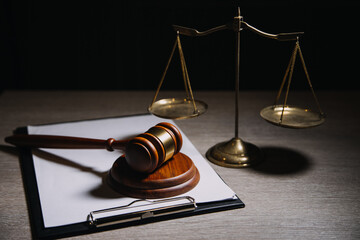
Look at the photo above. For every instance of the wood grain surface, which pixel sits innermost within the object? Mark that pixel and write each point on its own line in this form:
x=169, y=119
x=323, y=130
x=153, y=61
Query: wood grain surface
x=307, y=187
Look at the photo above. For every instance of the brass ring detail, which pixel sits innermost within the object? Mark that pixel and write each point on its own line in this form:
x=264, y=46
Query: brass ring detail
x=166, y=140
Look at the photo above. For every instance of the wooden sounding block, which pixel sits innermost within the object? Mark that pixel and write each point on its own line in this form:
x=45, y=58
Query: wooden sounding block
x=176, y=176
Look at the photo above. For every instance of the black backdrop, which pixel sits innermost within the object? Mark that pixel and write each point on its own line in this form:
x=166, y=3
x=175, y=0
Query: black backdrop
x=125, y=44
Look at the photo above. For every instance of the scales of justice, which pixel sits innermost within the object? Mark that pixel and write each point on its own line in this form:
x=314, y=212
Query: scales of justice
x=236, y=152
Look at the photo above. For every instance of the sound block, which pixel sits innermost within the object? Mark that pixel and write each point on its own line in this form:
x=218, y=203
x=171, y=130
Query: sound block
x=176, y=176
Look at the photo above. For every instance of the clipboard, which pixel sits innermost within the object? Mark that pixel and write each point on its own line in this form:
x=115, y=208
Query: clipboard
x=110, y=218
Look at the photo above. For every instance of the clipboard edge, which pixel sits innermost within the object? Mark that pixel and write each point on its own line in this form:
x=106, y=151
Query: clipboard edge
x=35, y=213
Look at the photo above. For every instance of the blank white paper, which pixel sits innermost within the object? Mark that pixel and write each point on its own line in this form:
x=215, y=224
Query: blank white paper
x=70, y=181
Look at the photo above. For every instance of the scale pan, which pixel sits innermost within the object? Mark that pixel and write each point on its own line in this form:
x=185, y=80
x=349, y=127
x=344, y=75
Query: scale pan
x=176, y=108
x=293, y=117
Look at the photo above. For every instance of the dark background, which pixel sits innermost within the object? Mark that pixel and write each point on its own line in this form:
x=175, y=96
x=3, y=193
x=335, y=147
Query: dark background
x=125, y=44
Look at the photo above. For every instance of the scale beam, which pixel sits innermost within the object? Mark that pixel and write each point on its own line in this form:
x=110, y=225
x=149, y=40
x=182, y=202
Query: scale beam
x=191, y=32
x=280, y=36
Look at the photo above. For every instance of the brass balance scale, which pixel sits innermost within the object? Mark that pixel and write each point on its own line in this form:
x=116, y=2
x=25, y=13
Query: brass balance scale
x=236, y=152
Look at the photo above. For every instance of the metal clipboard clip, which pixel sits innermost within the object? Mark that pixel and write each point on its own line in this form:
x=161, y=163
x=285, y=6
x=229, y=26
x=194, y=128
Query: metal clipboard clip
x=141, y=209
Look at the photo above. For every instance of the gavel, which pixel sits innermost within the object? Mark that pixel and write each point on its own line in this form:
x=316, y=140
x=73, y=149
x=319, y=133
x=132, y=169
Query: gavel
x=143, y=153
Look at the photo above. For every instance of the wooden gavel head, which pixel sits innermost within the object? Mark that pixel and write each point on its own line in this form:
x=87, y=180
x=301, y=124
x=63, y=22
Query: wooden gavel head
x=151, y=149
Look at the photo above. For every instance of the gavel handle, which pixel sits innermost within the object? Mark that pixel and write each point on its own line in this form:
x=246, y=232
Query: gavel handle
x=49, y=141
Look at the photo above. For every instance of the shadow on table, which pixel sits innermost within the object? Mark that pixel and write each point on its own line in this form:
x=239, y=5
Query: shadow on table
x=9, y=149
x=282, y=161
x=100, y=191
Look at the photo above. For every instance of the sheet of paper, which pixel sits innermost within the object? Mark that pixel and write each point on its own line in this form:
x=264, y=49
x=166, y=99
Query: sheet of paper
x=71, y=183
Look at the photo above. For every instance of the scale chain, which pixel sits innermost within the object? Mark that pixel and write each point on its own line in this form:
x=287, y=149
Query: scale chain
x=308, y=78
x=164, y=74
x=186, y=75
x=289, y=81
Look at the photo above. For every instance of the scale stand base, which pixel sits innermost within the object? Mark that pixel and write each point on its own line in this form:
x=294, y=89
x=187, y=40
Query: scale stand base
x=234, y=153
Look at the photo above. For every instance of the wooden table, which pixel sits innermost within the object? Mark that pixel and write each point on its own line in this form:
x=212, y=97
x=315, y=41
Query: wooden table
x=307, y=188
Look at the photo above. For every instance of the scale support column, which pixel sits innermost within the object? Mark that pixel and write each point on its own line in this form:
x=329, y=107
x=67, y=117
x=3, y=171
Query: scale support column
x=235, y=152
